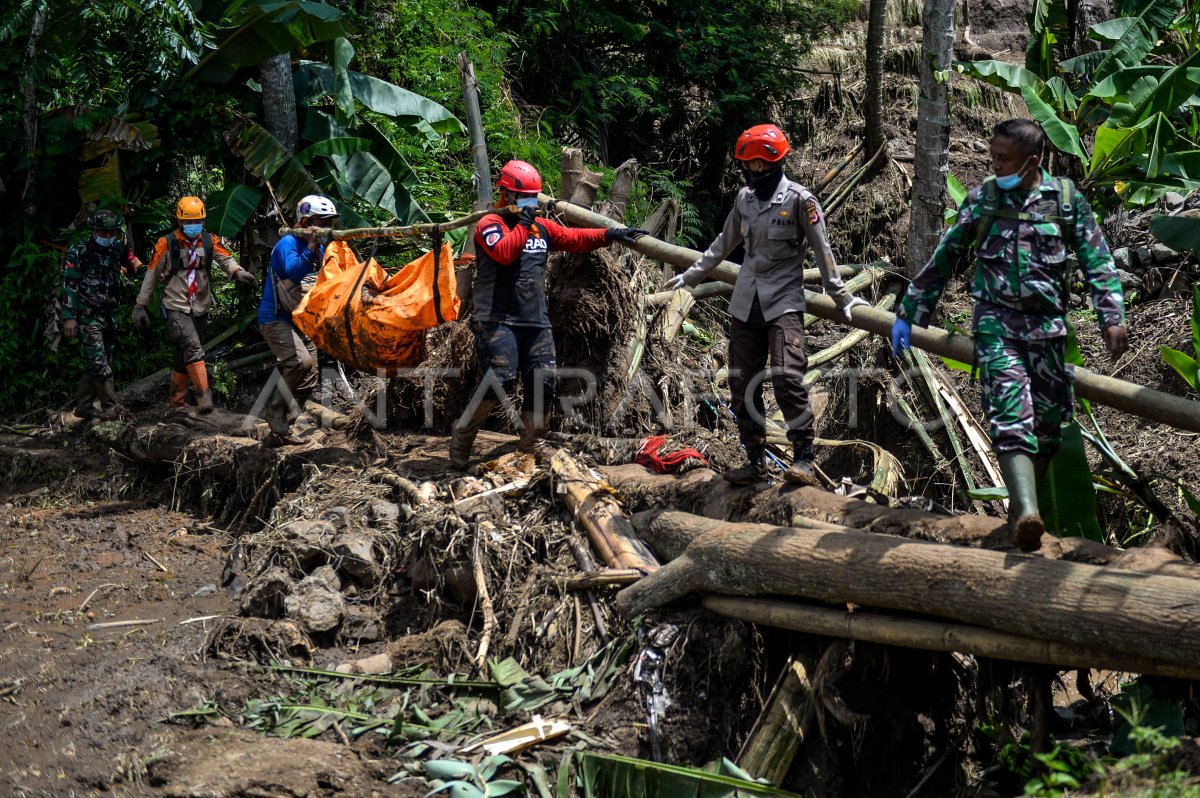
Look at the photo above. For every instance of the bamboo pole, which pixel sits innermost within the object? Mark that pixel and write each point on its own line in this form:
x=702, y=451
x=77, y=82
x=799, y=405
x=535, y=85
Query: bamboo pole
x=781, y=728
x=850, y=272
x=606, y=578
x=832, y=174
x=595, y=509
x=483, y=170
x=676, y=314
x=1134, y=399
x=407, y=231
x=938, y=636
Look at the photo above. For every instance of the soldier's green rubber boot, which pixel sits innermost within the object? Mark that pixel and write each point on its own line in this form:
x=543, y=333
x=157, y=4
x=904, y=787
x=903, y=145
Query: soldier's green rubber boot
x=1020, y=477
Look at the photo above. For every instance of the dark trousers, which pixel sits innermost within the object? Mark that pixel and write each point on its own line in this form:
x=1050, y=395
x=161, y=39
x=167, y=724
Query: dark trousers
x=507, y=351
x=751, y=343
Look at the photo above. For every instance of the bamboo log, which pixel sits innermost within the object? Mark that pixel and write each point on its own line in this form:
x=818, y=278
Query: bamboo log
x=406, y=231
x=849, y=271
x=326, y=416
x=618, y=196
x=832, y=174
x=1123, y=612
x=676, y=313
x=928, y=635
x=780, y=730
x=600, y=515
x=1134, y=399
x=586, y=188
x=571, y=167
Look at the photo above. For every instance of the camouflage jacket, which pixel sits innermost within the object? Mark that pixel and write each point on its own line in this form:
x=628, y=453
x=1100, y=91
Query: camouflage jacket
x=92, y=277
x=1021, y=280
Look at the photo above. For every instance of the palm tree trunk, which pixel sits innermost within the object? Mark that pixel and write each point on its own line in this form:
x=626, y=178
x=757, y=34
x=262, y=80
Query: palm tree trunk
x=279, y=100
x=30, y=117
x=933, y=134
x=876, y=24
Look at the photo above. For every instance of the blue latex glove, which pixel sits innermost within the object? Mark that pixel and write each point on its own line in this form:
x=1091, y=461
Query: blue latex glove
x=901, y=336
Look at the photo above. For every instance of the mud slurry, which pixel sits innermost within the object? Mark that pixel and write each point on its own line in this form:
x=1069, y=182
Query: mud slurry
x=80, y=708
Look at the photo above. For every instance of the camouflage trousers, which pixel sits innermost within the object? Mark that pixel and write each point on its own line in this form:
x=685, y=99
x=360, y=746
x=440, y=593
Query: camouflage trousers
x=1028, y=392
x=98, y=343
x=506, y=351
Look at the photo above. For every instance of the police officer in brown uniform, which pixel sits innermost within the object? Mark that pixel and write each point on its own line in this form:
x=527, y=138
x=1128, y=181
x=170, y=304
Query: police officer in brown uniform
x=778, y=219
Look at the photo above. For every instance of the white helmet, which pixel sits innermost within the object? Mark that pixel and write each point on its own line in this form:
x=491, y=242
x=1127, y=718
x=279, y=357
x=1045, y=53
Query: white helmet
x=315, y=205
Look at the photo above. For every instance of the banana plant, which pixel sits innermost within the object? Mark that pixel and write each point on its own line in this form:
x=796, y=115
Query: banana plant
x=1138, y=113
x=1187, y=366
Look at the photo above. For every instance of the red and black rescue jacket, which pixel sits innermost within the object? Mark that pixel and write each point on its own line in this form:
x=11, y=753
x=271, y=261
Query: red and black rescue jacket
x=510, y=266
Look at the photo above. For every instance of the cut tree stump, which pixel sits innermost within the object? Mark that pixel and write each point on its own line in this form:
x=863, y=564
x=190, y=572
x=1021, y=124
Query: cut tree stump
x=1125, y=612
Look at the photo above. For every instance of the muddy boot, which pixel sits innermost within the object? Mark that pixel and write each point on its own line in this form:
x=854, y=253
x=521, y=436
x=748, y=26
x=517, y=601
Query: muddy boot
x=199, y=375
x=179, y=386
x=533, y=427
x=754, y=471
x=275, y=440
x=462, y=438
x=106, y=393
x=1024, y=522
x=85, y=395
x=801, y=471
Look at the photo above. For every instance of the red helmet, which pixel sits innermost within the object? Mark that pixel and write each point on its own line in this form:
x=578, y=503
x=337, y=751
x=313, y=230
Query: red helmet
x=762, y=141
x=520, y=178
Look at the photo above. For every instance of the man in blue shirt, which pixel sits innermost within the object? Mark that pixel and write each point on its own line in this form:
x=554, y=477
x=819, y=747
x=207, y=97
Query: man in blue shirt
x=293, y=258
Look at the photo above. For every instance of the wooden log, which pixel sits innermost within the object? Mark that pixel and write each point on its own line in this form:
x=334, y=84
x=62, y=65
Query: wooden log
x=676, y=313
x=586, y=188
x=871, y=627
x=595, y=509
x=780, y=730
x=1128, y=397
x=1124, y=612
x=618, y=197
x=569, y=171
x=326, y=416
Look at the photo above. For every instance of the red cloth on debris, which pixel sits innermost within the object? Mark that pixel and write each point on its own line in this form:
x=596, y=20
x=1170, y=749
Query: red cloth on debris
x=647, y=455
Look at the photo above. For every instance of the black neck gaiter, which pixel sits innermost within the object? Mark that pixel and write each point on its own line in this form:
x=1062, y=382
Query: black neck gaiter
x=763, y=183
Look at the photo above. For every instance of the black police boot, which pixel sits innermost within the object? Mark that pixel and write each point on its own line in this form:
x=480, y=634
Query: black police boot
x=801, y=472
x=754, y=470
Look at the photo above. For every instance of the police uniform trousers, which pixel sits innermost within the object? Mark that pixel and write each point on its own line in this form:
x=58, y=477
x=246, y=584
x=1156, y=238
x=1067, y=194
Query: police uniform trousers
x=753, y=344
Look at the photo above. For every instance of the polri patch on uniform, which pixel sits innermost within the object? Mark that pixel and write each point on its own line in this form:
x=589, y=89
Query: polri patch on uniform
x=812, y=211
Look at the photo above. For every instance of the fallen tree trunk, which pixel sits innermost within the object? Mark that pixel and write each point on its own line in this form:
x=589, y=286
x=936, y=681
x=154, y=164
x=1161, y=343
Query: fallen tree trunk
x=704, y=492
x=1134, y=399
x=1146, y=615
x=938, y=636
x=600, y=515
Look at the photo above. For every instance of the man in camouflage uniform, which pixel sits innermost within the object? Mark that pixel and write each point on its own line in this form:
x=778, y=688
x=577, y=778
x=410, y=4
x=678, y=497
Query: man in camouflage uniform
x=1018, y=226
x=91, y=287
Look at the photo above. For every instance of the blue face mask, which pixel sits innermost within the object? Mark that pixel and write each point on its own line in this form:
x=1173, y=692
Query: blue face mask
x=1009, y=182
x=105, y=242
x=193, y=230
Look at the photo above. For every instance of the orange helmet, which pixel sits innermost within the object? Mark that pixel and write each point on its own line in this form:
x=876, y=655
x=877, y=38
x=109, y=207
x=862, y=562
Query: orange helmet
x=762, y=141
x=520, y=178
x=189, y=209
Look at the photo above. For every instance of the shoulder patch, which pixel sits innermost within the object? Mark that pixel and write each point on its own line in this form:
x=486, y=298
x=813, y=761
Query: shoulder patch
x=812, y=211
x=491, y=234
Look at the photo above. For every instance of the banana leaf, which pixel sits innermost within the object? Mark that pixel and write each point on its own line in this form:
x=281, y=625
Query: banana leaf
x=230, y=208
x=261, y=29
x=1062, y=134
x=1180, y=233
x=269, y=160
x=1000, y=74
x=102, y=184
x=315, y=80
x=343, y=93
x=1067, y=497
x=340, y=145
x=1047, y=27
x=612, y=776
x=1139, y=38
x=1167, y=95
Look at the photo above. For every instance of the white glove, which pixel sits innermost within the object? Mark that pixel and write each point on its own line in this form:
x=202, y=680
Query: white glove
x=691, y=278
x=854, y=301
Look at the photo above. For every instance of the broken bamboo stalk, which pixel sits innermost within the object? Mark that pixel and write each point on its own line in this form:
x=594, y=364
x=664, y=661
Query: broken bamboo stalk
x=609, y=529
x=850, y=341
x=326, y=416
x=1128, y=397
x=928, y=635
x=832, y=174
x=411, y=230
x=676, y=313
x=780, y=730
x=606, y=578
x=1102, y=608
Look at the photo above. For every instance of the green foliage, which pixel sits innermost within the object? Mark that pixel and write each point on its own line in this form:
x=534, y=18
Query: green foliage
x=610, y=776
x=466, y=780
x=1133, y=100
x=1187, y=366
x=1066, y=497
x=1180, y=233
x=1063, y=769
x=672, y=83
x=1145, y=723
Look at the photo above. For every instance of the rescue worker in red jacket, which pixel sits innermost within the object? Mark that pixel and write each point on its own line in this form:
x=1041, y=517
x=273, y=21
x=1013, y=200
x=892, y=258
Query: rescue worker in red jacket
x=510, y=321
